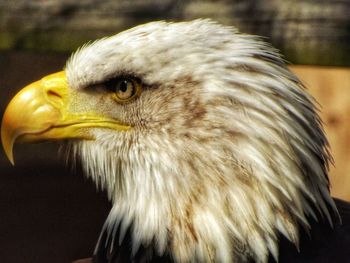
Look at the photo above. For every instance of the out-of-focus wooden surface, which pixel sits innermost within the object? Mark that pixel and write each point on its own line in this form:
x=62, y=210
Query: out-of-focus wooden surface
x=331, y=88
x=307, y=32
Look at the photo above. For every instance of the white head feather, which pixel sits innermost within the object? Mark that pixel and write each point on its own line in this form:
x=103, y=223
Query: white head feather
x=226, y=151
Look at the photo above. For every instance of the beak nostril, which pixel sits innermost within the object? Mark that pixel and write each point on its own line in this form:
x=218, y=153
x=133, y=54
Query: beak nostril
x=52, y=93
x=54, y=96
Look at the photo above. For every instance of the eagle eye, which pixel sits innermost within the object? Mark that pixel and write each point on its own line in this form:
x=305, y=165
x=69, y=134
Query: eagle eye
x=125, y=89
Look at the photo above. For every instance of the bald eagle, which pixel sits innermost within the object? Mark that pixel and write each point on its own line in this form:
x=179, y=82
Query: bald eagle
x=208, y=147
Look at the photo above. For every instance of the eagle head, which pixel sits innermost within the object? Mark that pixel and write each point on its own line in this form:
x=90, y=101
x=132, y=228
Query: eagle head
x=209, y=148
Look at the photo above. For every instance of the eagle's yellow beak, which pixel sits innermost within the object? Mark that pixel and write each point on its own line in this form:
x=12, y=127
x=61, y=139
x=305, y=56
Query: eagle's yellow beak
x=39, y=112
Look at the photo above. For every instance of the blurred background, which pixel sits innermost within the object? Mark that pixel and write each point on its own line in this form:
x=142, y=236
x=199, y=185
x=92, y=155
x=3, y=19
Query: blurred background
x=49, y=213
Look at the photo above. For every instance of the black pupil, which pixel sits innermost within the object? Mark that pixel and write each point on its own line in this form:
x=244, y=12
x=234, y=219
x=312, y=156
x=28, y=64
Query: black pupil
x=123, y=86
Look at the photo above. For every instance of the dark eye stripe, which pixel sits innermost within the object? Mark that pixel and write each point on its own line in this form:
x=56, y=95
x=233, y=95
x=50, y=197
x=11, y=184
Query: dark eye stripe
x=110, y=84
